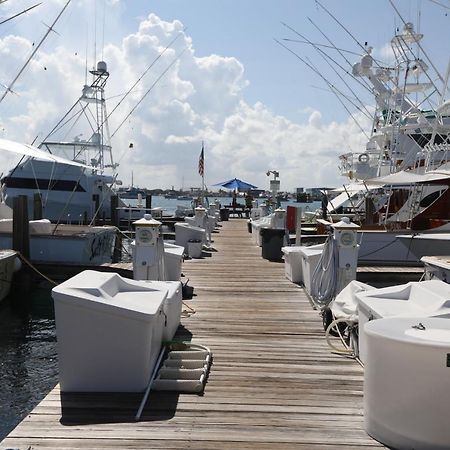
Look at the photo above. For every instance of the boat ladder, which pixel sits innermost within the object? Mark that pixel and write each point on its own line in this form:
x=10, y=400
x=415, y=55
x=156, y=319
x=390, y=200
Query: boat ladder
x=414, y=203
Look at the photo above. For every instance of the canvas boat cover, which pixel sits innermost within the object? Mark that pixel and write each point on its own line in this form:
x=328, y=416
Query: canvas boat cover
x=34, y=152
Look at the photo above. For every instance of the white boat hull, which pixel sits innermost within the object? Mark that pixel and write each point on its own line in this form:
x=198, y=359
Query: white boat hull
x=383, y=248
x=427, y=244
x=71, y=244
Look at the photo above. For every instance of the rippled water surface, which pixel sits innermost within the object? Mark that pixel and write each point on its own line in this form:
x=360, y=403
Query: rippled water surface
x=28, y=364
x=169, y=205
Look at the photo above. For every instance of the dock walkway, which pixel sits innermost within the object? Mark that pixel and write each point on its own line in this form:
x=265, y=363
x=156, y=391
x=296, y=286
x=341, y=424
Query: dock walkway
x=273, y=384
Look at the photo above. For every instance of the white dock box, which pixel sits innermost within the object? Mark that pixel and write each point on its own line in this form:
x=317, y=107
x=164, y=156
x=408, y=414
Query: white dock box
x=310, y=259
x=173, y=304
x=194, y=248
x=109, y=332
x=185, y=232
x=173, y=259
x=407, y=383
x=256, y=228
x=293, y=263
x=414, y=299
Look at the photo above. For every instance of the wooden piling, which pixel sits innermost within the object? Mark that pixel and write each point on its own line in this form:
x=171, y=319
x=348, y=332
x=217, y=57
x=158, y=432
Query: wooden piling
x=21, y=234
x=115, y=221
x=114, y=210
x=37, y=207
x=370, y=211
x=96, y=200
x=148, y=201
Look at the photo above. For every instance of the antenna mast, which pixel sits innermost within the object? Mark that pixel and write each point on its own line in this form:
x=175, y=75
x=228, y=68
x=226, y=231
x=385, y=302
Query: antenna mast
x=50, y=28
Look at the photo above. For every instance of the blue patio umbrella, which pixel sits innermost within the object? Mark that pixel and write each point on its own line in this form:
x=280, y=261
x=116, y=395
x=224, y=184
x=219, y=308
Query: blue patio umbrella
x=236, y=183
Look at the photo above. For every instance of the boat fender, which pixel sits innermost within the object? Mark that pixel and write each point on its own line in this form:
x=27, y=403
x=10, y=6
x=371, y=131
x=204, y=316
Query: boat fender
x=363, y=158
x=17, y=264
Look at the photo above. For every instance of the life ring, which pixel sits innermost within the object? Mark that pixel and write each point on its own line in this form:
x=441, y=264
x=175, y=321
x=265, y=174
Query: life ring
x=363, y=158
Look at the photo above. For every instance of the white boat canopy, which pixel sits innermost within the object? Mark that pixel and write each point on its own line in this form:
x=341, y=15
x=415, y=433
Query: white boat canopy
x=338, y=201
x=347, y=192
x=400, y=178
x=34, y=152
x=354, y=187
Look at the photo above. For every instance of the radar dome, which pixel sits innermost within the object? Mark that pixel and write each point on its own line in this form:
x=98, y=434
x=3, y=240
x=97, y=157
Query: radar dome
x=366, y=62
x=101, y=66
x=408, y=28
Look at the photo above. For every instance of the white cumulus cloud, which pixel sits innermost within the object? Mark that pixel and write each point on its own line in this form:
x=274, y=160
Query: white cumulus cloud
x=200, y=98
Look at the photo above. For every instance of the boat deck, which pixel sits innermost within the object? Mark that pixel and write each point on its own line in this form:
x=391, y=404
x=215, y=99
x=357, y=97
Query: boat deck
x=273, y=384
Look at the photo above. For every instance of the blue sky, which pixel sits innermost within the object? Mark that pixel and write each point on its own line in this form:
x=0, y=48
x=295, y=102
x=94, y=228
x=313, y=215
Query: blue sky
x=253, y=103
x=277, y=78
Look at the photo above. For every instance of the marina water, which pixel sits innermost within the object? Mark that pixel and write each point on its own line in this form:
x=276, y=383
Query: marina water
x=169, y=205
x=28, y=355
x=28, y=363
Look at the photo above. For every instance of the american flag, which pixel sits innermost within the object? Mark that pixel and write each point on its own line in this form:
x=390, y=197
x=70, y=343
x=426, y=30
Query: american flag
x=201, y=162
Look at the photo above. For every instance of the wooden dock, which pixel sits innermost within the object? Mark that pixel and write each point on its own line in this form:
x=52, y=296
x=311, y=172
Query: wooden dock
x=274, y=384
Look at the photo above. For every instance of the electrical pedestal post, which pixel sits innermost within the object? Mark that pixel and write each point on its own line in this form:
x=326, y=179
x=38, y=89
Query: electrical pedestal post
x=279, y=219
x=149, y=249
x=201, y=221
x=345, y=237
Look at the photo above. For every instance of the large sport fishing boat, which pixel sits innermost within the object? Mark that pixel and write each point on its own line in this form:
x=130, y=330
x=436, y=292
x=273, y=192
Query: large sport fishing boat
x=58, y=180
x=400, y=182
x=73, y=194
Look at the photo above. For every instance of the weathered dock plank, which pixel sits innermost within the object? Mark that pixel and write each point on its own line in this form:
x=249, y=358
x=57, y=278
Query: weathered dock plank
x=273, y=383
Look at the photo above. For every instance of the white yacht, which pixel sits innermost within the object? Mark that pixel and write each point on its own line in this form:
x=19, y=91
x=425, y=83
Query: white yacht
x=72, y=194
x=400, y=182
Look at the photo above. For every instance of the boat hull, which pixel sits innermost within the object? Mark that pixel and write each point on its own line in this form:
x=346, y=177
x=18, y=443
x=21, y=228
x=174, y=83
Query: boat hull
x=427, y=244
x=67, y=192
x=71, y=244
x=378, y=247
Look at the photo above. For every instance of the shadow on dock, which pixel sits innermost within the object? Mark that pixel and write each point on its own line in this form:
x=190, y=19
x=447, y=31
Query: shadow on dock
x=87, y=408
x=183, y=334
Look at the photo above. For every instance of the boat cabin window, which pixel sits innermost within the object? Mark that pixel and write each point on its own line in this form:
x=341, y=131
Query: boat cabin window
x=429, y=199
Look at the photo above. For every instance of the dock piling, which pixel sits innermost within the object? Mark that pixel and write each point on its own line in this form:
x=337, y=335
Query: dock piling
x=96, y=200
x=148, y=201
x=21, y=234
x=117, y=255
x=37, y=207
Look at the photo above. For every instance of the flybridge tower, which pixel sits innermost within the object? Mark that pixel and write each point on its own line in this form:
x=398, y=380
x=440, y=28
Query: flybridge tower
x=82, y=135
x=88, y=120
x=95, y=94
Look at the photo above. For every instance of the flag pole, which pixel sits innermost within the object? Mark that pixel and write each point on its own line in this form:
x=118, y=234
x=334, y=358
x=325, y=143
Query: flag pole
x=203, y=173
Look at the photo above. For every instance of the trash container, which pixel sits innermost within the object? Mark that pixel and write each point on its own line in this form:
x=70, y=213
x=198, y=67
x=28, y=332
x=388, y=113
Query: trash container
x=224, y=214
x=272, y=240
x=109, y=333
